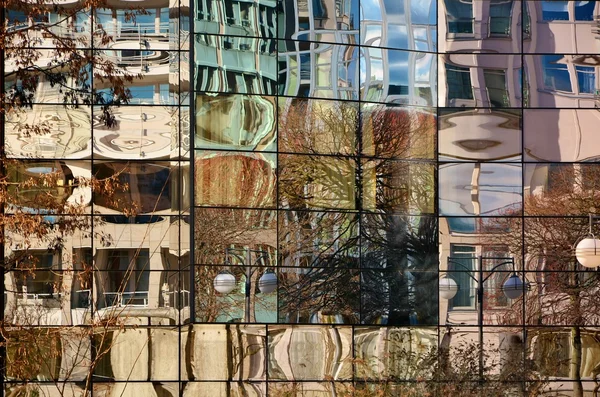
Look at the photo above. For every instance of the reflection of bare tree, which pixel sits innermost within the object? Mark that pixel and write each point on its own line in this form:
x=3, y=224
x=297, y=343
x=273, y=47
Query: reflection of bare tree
x=374, y=164
x=562, y=294
x=216, y=231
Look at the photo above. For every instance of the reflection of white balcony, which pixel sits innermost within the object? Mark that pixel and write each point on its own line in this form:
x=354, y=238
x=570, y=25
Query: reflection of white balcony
x=122, y=299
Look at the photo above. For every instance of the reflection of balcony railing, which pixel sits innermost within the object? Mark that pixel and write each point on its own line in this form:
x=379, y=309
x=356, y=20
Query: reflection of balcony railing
x=36, y=297
x=125, y=31
x=122, y=299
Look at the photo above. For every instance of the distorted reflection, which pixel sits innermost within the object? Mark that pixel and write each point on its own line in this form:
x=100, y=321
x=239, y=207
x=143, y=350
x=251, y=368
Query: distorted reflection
x=480, y=189
x=479, y=135
x=560, y=135
x=236, y=122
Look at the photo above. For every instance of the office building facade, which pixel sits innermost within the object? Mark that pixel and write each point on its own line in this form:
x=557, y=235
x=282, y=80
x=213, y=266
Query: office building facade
x=297, y=177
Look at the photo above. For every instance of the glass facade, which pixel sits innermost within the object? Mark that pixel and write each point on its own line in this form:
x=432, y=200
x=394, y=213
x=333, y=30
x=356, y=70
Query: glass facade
x=296, y=181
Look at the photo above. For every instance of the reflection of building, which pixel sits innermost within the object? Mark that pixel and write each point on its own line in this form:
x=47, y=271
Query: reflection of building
x=523, y=76
x=364, y=147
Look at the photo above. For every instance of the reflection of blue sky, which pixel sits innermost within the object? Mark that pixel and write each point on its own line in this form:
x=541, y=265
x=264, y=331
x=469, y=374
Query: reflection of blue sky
x=398, y=67
x=423, y=67
x=397, y=36
x=423, y=12
x=499, y=188
x=393, y=8
x=371, y=32
x=370, y=10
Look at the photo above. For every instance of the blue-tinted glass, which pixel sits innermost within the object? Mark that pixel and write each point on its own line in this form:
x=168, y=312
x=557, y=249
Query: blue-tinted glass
x=459, y=82
x=460, y=16
x=556, y=75
x=500, y=17
x=586, y=79
x=461, y=225
x=553, y=10
x=584, y=10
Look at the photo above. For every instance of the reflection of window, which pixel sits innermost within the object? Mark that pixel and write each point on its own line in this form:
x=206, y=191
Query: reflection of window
x=495, y=84
x=41, y=281
x=586, y=79
x=555, y=10
x=129, y=277
x=556, y=75
x=204, y=11
x=500, y=17
x=584, y=10
x=492, y=257
x=526, y=22
x=463, y=261
x=459, y=82
x=460, y=16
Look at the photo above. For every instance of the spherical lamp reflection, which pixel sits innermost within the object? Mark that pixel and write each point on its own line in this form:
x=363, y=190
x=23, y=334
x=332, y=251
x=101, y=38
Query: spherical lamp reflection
x=588, y=252
x=448, y=288
x=224, y=283
x=513, y=287
x=267, y=283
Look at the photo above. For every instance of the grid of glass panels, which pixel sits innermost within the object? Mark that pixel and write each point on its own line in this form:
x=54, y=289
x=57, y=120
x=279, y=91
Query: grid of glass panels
x=105, y=311
x=340, y=157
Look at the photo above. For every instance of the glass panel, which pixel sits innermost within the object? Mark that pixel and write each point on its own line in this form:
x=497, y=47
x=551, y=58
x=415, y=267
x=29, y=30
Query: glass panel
x=224, y=352
x=397, y=187
x=217, y=229
x=397, y=77
x=236, y=122
x=320, y=20
x=560, y=189
x=399, y=295
x=47, y=354
x=235, y=64
x=480, y=189
x=317, y=182
x=323, y=239
x=318, y=126
x=235, y=179
x=133, y=132
x=319, y=295
x=398, y=132
x=148, y=187
x=48, y=187
x=64, y=132
x=237, y=18
x=131, y=354
x=123, y=388
x=321, y=70
x=554, y=352
x=399, y=242
x=480, y=135
x=402, y=358
x=304, y=352
x=561, y=135
x=388, y=24
x=246, y=302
